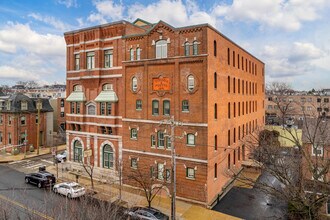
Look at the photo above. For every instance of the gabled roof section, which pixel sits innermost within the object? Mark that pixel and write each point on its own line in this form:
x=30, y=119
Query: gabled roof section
x=140, y=22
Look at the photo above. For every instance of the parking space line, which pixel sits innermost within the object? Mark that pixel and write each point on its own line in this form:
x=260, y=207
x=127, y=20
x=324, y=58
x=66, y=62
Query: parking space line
x=35, y=165
x=18, y=161
x=47, y=161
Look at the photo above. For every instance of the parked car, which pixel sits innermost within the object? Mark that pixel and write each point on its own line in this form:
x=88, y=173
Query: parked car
x=69, y=189
x=61, y=156
x=41, y=179
x=146, y=213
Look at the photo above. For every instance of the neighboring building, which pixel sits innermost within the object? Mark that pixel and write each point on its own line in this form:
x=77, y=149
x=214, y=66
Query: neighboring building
x=285, y=137
x=296, y=105
x=58, y=105
x=124, y=79
x=19, y=118
x=316, y=143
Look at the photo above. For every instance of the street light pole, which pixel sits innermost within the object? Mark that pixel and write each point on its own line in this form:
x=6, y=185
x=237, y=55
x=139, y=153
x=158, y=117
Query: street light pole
x=38, y=125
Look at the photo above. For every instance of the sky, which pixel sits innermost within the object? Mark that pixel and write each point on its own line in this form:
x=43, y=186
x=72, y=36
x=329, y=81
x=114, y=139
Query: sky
x=292, y=37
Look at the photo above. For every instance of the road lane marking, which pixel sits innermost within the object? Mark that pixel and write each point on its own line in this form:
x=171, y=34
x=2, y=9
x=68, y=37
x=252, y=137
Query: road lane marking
x=35, y=212
x=19, y=161
x=47, y=161
x=33, y=166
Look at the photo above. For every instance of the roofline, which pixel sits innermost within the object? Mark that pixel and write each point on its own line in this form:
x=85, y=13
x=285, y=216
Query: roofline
x=97, y=26
x=195, y=26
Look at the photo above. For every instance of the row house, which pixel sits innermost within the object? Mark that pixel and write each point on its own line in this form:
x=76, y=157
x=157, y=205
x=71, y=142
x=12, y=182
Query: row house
x=125, y=79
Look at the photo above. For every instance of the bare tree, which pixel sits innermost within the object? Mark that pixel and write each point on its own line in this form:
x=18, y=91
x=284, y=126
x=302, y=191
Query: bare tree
x=303, y=170
x=89, y=169
x=150, y=182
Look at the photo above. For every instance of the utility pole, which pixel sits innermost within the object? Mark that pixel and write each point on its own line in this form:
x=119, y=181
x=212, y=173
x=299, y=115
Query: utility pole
x=173, y=124
x=25, y=143
x=38, y=125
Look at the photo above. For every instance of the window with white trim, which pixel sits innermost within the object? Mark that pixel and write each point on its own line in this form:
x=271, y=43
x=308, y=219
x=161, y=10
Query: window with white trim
x=186, y=49
x=77, y=61
x=91, y=109
x=131, y=54
x=23, y=120
x=185, y=106
x=77, y=88
x=161, y=49
x=317, y=150
x=153, y=140
x=161, y=139
x=190, y=173
x=90, y=56
x=108, y=58
x=160, y=171
x=166, y=107
x=138, y=53
x=155, y=107
x=134, y=163
x=138, y=105
x=134, y=134
x=191, y=139
x=191, y=83
x=134, y=84
x=24, y=105
x=195, y=48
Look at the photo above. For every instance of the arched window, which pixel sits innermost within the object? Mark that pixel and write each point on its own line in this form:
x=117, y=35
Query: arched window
x=131, y=54
x=77, y=88
x=107, y=156
x=195, y=48
x=215, y=47
x=161, y=49
x=107, y=87
x=186, y=49
x=138, y=53
x=191, y=83
x=134, y=84
x=77, y=151
x=215, y=80
x=91, y=109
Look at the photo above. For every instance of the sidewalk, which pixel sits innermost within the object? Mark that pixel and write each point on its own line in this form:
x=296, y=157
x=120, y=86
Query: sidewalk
x=133, y=197
x=8, y=157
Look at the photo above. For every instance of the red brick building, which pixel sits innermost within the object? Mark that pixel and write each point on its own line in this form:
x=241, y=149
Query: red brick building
x=213, y=87
x=19, y=118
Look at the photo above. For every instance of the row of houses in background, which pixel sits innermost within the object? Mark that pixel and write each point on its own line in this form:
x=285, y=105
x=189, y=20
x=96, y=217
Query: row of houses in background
x=19, y=116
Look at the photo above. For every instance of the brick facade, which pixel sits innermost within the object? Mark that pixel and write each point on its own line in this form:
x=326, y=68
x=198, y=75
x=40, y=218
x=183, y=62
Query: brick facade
x=140, y=77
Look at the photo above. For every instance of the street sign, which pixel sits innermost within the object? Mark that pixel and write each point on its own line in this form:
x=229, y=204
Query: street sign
x=53, y=151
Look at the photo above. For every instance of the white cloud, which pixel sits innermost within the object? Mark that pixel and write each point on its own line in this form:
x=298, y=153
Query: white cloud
x=284, y=14
x=59, y=25
x=12, y=73
x=107, y=9
x=291, y=60
x=68, y=3
x=20, y=36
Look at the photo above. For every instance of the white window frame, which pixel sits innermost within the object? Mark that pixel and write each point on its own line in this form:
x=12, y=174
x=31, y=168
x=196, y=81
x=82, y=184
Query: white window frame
x=138, y=104
x=317, y=148
x=108, y=58
x=195, y=48
x=191, y=139
x=138, y=53
x=107, y=87
x=77, y=88
x=90, y=60
x=134, y=133
x=185, y=105
x=134, y=84
x=160, y=139
x=77, y=61
x=24, y=105
x=89, y=107
x=160, y=171
x=190, y=173
x=191, y=83
x=161, y=49
x=131, y=54
x=186, y=49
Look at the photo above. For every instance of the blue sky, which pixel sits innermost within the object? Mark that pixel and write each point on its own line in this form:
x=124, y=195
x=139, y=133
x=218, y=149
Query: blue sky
x=292, y=37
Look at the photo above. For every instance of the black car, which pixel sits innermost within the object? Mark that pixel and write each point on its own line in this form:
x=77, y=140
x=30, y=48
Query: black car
x=146, y=213
x=41, y=179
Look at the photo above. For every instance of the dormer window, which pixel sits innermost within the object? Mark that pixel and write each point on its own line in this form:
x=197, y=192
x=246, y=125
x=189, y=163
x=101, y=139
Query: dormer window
x=161, y=49
x=8, y=106
x=24, y=105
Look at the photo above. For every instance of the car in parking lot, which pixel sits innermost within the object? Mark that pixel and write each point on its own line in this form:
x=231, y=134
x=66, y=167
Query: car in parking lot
x=41, y=179
x=146, y=213
x=61, y=156
x=69, y=189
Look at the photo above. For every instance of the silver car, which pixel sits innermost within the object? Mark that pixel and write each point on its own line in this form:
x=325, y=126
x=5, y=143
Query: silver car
x=69, y=189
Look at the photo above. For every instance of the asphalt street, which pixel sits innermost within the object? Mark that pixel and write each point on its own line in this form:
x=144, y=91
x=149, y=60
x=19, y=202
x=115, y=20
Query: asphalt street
x=252, y=203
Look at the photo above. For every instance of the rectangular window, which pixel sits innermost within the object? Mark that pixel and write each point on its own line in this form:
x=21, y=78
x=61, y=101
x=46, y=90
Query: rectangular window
x=9, y=138
x=23, y=120
x=90, y=60
x=102, y=108
x=191, y=139
x=9, y=120
x=108, y=58
x=1, y=119
x=138, y=53
x=108, y=105
x=131, y=54
x=153, y=140
x=0, y=137
x=215, y=170
x=185, y=106
x=138, y=105
x=155, y=107
x=134, y=134
x=190, y=173
x=168, y=142
x=166, y=107
x=161, y=139
x=168, y=175
x=72, y=107
x=318, y=99
x=160, y=171
x=317, y=150
x=62, y=114
x=76, y=61
x=134, y=163
x=326, y=100
x=78, y=107
x=161, y=49
x=24, y=106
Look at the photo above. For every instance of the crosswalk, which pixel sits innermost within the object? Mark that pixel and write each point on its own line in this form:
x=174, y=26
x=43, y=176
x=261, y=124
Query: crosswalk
x=31, y=165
